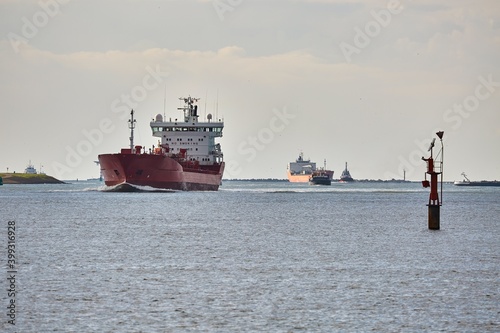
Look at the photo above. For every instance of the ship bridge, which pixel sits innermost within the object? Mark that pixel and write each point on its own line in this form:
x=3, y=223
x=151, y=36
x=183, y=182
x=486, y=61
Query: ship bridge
x=301, y=166
x=195, y=139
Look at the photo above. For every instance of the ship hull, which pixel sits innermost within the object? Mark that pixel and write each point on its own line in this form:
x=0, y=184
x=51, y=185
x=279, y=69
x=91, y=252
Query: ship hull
x=304, y=178
x=320, y=180
x=479, y=183
x=301, y=178
x=158, y=171
x=346, y=179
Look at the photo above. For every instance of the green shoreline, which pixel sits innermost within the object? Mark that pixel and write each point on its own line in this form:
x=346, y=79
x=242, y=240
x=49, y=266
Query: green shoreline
x=27, y=178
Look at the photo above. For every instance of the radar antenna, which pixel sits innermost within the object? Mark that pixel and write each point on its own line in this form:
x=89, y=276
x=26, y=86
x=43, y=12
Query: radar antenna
x=432, y=144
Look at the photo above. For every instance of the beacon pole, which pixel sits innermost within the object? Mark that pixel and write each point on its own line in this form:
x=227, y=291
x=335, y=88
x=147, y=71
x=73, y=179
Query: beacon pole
x=434, y=169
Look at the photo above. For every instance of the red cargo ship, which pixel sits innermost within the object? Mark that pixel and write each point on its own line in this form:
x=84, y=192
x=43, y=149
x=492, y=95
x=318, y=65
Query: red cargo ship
x=186, y=157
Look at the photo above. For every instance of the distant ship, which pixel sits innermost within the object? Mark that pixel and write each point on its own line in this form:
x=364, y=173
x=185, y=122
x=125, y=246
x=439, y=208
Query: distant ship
x=301, y=170
x=467, y=182
x=321, y=177
x=100, y=175
x=30, y=169
x=186, y=157
x=346, y=175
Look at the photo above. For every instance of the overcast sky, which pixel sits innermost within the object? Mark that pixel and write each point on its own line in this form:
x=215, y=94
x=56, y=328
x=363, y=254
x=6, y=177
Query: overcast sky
x=363, y=82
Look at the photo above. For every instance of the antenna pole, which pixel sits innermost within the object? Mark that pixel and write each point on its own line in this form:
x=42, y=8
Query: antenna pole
x=442, y=159
x=206, y=96
x=164, y=103
x=131, y=125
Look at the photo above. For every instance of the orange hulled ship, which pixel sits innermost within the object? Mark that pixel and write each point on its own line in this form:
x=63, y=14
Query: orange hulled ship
x=301, y=170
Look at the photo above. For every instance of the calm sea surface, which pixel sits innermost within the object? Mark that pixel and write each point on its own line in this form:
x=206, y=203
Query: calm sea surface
x=252, y=257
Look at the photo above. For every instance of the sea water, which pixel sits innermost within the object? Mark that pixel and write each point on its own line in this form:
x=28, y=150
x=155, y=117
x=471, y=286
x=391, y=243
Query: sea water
x=252, y=257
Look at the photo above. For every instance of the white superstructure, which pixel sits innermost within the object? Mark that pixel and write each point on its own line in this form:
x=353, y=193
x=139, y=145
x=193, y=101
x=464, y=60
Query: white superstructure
x=30, y=169
x=301, y=166
x=195, y=139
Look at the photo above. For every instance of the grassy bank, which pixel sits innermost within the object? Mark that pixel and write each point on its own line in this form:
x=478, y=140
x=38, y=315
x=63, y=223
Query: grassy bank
x=26, y=178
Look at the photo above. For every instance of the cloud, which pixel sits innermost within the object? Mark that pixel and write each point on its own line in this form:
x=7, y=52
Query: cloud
x=399, y=86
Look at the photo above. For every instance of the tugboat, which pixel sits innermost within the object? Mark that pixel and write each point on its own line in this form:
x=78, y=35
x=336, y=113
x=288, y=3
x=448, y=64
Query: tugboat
x=321, y=177
x=346, y=175
x=186, y=157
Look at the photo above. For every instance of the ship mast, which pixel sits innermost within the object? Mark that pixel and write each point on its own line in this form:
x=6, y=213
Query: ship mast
x=190, y=110
x=131, y=125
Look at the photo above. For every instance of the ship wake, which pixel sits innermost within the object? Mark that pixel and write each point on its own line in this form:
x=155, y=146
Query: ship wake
x=126, y=187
